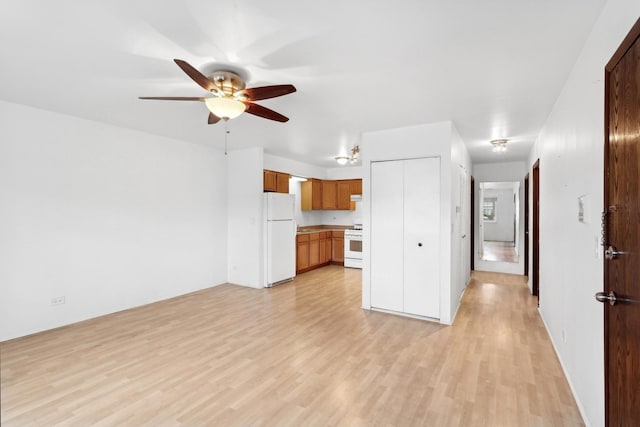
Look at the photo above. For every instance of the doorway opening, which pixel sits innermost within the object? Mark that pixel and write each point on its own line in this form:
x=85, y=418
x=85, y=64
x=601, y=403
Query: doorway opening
x=499, y=221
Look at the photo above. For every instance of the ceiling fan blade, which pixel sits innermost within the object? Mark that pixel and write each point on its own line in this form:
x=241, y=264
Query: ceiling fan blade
x=213, y=119
x=196, y=76
x=259, y=110
x=174, y=98
x=266, y=92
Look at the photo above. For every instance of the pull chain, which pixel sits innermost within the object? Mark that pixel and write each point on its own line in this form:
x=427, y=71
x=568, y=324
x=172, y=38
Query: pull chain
x=226, y=132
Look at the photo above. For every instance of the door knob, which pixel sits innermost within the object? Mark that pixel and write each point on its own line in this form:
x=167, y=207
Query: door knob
x=612, y=253
x=420, y=244
x=611, y=297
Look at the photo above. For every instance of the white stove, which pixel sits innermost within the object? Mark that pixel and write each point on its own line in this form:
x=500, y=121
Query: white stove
x=353, y=247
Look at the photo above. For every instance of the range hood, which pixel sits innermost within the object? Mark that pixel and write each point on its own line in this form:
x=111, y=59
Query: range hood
x=356, y=197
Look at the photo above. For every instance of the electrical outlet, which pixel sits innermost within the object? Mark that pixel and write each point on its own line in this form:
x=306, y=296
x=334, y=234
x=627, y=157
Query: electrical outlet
x=57, y=301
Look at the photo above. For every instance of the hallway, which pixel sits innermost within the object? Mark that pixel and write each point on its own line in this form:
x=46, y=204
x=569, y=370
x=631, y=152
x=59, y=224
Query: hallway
x=303, y=353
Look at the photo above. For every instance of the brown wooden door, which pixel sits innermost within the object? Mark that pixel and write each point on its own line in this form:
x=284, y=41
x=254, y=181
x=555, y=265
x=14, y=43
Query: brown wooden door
x=622, y=207
x=526, y=225
x=472, y=203
x=535, y=259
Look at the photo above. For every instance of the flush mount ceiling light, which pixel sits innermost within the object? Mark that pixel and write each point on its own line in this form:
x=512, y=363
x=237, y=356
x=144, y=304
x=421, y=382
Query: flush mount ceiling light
x=499, y=145
x=355, y=156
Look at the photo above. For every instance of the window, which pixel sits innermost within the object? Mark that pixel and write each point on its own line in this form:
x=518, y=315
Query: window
x=489, y=209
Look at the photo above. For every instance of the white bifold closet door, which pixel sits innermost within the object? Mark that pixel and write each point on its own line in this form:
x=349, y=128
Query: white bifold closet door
x=405, y=236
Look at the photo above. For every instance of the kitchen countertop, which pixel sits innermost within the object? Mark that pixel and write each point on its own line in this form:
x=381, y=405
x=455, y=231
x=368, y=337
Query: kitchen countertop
x=307, y=229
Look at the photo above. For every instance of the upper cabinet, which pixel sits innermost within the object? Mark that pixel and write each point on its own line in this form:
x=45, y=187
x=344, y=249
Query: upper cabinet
x=329, y=195
x=311, y=197
x=344, y=195
x=275, y=181
x=269, y=180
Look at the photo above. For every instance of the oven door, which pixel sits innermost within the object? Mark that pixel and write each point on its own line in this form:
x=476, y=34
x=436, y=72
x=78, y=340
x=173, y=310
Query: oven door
x=353, y=251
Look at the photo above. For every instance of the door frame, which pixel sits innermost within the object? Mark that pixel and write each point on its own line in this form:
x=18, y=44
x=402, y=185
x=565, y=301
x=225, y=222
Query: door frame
x=472, y=209
x=526, y=225
x=626, y=44
x=535, y=282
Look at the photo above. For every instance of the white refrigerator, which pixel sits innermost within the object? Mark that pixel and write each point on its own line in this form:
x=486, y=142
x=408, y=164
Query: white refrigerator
x=280, y=238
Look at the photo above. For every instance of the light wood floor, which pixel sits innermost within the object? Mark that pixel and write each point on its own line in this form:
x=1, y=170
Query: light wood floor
x=499, y=251
x=298, y=354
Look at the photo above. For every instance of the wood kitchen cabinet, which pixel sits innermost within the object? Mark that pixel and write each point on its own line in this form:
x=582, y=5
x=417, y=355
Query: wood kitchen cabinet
x=344, y=195
x=355, y=186
x=325, y=247
x=275, y=181
x=302, y=252
x=330, y=195
x=314, y=250
x=311, y=197
x=337, y=247
x=282, y=182
x=269, y=180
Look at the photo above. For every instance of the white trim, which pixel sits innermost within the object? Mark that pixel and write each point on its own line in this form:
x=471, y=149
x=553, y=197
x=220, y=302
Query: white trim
x=583, y=413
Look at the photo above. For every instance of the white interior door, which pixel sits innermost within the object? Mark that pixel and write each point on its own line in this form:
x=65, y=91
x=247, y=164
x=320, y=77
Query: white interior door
x=422, y=237
x=387, y=235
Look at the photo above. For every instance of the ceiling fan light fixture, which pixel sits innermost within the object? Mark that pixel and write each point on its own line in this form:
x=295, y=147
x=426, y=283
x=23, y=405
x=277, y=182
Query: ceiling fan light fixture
x=225, y=108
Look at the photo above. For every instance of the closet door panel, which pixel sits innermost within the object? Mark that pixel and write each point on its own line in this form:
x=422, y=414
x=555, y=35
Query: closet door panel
x=387, y=235
x=421, y=216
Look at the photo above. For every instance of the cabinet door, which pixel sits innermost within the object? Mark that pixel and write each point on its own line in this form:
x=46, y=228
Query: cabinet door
x=329, y=195
x=269, y=180
x=387, y=235
x=282, y=182
x=327, y=251
x=422, y=237
x=344, y=195
x=302, y=252
x=355, y=186
x=314, y=250
x=337, y=247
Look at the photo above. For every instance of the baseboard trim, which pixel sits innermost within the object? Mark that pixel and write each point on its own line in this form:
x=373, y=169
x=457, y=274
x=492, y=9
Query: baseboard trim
x=583, y=413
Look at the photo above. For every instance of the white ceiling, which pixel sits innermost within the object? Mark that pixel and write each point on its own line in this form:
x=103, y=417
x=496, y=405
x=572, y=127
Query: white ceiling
x=493, y=67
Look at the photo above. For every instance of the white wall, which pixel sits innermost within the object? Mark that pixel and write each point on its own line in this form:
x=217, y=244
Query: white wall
x=570, y=149
x=293, y=167
x=110, y=218
x=461, y=221
x=431, y=140
x=499, y=172
x=502, y=229
x=245, y=217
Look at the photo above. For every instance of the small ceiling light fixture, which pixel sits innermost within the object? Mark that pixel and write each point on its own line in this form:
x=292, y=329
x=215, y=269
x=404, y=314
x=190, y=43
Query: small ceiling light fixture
x=355, y=156
x=499, y=145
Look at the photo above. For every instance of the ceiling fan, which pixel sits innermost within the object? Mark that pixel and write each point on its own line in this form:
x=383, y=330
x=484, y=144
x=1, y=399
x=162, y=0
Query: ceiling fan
x=231, y=97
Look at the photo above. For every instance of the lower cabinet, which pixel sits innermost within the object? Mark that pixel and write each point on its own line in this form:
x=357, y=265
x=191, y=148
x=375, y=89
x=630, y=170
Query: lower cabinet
x=315, y=250
x=302, y=252
x=337, y=253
